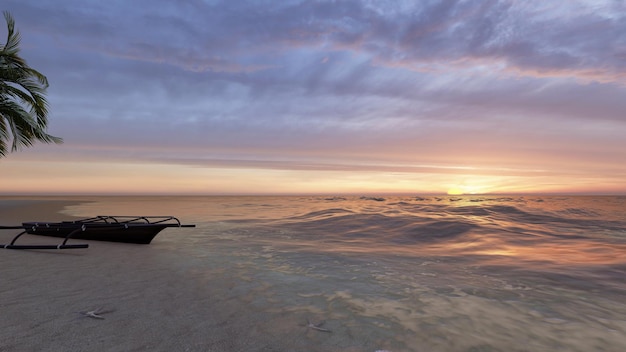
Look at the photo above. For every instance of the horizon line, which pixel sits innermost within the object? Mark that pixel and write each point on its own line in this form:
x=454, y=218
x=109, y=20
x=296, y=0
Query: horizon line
x=318, y=194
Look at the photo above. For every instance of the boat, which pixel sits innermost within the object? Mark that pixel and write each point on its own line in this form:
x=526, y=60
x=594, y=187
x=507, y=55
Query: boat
x=121, y=228
x=118, y=228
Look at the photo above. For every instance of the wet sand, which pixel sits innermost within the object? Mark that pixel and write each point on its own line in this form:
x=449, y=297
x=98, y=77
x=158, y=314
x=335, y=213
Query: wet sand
x=155, y=301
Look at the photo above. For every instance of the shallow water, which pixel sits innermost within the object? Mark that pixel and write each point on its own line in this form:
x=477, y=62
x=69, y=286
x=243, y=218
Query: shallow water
x=470, y=273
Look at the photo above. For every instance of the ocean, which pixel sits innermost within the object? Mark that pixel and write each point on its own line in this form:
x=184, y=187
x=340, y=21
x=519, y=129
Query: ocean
x=405, y=273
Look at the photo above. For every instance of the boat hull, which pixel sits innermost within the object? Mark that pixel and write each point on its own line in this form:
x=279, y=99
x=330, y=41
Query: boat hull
x=126, y=233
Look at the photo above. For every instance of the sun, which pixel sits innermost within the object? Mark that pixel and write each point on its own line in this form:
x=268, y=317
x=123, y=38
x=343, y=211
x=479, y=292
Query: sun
x=464, y=189
x=455, y=191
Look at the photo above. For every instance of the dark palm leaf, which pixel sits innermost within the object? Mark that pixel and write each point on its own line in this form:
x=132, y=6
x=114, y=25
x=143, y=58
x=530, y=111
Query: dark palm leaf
x=23, y=105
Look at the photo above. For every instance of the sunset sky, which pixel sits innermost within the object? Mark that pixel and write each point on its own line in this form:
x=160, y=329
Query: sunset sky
x=334, y=97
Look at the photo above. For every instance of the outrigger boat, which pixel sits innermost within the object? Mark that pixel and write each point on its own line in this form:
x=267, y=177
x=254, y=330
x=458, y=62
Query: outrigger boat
x=127, y=229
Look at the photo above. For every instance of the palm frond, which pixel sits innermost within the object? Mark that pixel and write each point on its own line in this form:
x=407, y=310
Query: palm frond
x=13, y=37
x=23, y=104
x=4, y=136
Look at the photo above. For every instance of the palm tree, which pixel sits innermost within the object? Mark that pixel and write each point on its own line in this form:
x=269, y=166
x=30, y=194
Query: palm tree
x=23, y=105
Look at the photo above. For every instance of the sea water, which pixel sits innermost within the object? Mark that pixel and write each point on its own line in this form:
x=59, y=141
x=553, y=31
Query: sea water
x=450, y=273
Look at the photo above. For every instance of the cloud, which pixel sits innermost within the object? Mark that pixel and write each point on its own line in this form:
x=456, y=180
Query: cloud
x=582, y=39
x=409, y=82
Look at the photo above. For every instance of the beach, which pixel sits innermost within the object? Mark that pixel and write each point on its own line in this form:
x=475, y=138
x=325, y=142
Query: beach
x=155, y=303
x=401, y=274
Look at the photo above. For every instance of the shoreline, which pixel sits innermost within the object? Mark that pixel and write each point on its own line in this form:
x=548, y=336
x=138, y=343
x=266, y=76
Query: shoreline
x=152, y=298
x=149, y=296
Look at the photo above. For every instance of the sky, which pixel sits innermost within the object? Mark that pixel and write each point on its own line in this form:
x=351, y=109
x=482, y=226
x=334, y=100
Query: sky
x=325, y=97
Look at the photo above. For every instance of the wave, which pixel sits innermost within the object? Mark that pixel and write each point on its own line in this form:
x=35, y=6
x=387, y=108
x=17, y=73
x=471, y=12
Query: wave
x=427, y=223
x=499, y=229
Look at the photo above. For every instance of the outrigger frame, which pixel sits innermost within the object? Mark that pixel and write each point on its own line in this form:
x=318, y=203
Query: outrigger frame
x=26, y=229
x=121, y=219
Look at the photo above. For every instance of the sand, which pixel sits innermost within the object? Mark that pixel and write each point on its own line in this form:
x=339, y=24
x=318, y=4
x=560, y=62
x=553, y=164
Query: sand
x=156, y=300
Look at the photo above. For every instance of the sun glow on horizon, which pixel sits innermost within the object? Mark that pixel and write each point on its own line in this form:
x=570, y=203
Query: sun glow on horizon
x=455, y=191
x=27, y=175
x=466, y=189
